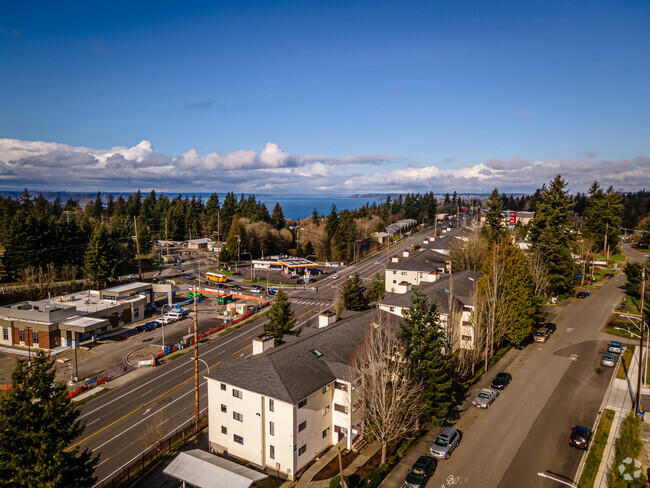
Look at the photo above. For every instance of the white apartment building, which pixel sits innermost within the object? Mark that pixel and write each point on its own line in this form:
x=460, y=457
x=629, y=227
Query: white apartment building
x=285, y=405
x=455, y=294
x=413, y=268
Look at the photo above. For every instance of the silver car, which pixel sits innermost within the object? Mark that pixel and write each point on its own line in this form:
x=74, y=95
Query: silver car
x=485, y=398
x=445, y=443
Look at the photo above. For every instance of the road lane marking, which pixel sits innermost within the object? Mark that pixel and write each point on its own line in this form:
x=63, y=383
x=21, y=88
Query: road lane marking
x=146, y=393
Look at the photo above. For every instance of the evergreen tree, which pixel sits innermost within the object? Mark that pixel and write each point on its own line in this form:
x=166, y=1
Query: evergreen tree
x=425, y=353
x=645, y=233
x=277, y=218
x=309, y=249
x=300, y=253
x=377, y=290
x=38, y=423
x=493, y=215
x=551, y=234
x=353, y=293
x=281, y=318
x=603, y=221
x=315, y=217
x=236, y=233
x=99, y=260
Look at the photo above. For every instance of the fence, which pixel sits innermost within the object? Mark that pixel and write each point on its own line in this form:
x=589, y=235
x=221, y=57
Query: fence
x=138, y=466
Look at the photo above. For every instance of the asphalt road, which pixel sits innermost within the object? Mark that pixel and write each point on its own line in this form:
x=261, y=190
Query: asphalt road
x=118, y=423
x=556, y=385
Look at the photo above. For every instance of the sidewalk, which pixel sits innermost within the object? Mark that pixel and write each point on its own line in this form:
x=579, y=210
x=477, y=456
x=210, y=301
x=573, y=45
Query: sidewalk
x=620, y=398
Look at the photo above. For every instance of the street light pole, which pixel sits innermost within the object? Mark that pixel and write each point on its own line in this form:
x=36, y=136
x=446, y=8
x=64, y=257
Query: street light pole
x=544, y=475
x=206, y=364
x=251, y=263
x=196, y=363
x=638, y=383
x=162, y=325
x=238, y=241
x=29, y=348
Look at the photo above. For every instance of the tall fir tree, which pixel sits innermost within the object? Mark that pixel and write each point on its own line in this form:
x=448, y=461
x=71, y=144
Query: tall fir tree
x=277, y=217
x=603, y=220
x=424, y=350
x=493, y=217
x=551, y=234
x=38, y=423
x=99, y=260
x=353, y=293
x=281, y=318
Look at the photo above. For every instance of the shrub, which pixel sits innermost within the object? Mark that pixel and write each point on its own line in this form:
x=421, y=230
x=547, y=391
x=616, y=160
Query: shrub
x=629, y=445
x=373, y=479
x=405, y=446
x=336, y=481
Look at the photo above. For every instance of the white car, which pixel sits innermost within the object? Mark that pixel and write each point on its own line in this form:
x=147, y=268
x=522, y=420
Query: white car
x=256, y=289
x=485, y=398
x=335, y=277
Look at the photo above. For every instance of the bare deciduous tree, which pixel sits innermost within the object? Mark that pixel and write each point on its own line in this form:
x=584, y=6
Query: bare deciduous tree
x=389, y=400
x=28, y=276
x=539, y=273
x=583, y=249
x=468, y=253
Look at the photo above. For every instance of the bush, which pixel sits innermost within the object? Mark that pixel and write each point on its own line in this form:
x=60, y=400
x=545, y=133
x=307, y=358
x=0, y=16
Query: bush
x=629, y=445
x=374, y=478
x=336, y=481
x=405, y=446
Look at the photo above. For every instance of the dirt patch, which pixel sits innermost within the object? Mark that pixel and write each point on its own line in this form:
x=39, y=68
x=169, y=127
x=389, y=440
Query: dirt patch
x=375, y=461
x=143, y=354
x=332, y=468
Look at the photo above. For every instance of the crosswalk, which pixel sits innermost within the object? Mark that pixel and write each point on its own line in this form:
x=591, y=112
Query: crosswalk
x=306, y=302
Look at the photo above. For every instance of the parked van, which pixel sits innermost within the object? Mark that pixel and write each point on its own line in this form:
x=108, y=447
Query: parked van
x=174, y=315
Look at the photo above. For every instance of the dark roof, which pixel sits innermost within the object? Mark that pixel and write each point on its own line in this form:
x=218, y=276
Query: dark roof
x=425, y=261
x=464, y=286
x=290, y=372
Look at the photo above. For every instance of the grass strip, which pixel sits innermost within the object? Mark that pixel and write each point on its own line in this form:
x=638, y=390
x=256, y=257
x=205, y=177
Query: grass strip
x=621, y=372
x=175, y=356
x=596, y=450
x=94, y=395
x=245, y=322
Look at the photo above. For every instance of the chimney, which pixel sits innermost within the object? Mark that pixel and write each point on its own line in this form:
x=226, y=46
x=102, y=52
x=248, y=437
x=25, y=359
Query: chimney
x=394, y=259
x=433, y=276
x=325, y=318
x=262, y=343
x=405, y=254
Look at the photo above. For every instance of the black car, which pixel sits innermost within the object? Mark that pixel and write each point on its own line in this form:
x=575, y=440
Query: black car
x=420, y=472
x=580, y=437
x=551, y=327
x=582, y=294
x=236, y=287
x=501, y=380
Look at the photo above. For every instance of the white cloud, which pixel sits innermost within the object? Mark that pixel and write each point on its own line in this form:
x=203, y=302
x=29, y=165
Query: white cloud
x=53, y=166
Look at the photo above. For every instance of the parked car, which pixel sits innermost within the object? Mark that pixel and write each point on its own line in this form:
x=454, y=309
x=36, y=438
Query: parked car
x=273, y=291
x=180, y=270
x=615, y=347
x=142, y=328
x=608, y=360
x=541, y=334
x=445, y=443
x=165, y=320
x=501, y=380
x=420, y=472
x=580, y=437
x=293, y=277
x=299, y=281
x=335, y=277
x=485, y=398
x=582, y=294
x=608, y=275
x=236, y=287
x=256, y=289
x=551, y=327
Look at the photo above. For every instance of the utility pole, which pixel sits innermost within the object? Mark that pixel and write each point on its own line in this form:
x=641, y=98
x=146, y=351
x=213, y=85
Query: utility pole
x=605, y=246
x=457, y=217
x=218, y=237
x=166, y=238
x=238, y=241
x=137, y=247
x=638, y=382
x=196, y=362
x=388, y=251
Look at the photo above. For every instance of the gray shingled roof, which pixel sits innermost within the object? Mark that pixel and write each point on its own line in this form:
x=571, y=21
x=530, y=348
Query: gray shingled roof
x=464, y=286
x=424, y=261
x=290, y=372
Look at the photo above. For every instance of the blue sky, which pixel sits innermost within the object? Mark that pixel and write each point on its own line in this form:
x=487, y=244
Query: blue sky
x=344, y=96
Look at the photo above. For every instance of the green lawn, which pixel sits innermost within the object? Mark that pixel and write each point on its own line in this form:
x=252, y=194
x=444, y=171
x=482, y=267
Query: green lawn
x=624, y=367
x=612, y=257
x=596, y=450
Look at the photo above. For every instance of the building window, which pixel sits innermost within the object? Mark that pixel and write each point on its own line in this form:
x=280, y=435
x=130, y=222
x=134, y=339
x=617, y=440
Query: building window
x=404, y=273
x=271, y=428
x=21, y=335
x=236, y=393
x=392, y=309
x=5, y=334
x=326, y=410
x=466, y=337
x=325, y=389
x=224, y=409
x=238, y=416
x=238, y=439
x=224, y=429
x=340, y=408
x=136, y=313
x=341, y=386
x=394, y=281
x=272, y=452
x=271, y=405
x=35, y=337
x=394, y=272
x=223, y=386
x=326, y=432
x=302, y=426
x=302, y=403
x=302, y=450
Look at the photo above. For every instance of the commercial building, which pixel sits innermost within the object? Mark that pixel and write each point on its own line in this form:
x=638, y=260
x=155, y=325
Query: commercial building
x=70, y=319
x=286, y=264
x=285, y=405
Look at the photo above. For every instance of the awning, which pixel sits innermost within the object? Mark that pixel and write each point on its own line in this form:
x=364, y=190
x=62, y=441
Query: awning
x=205, y=470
